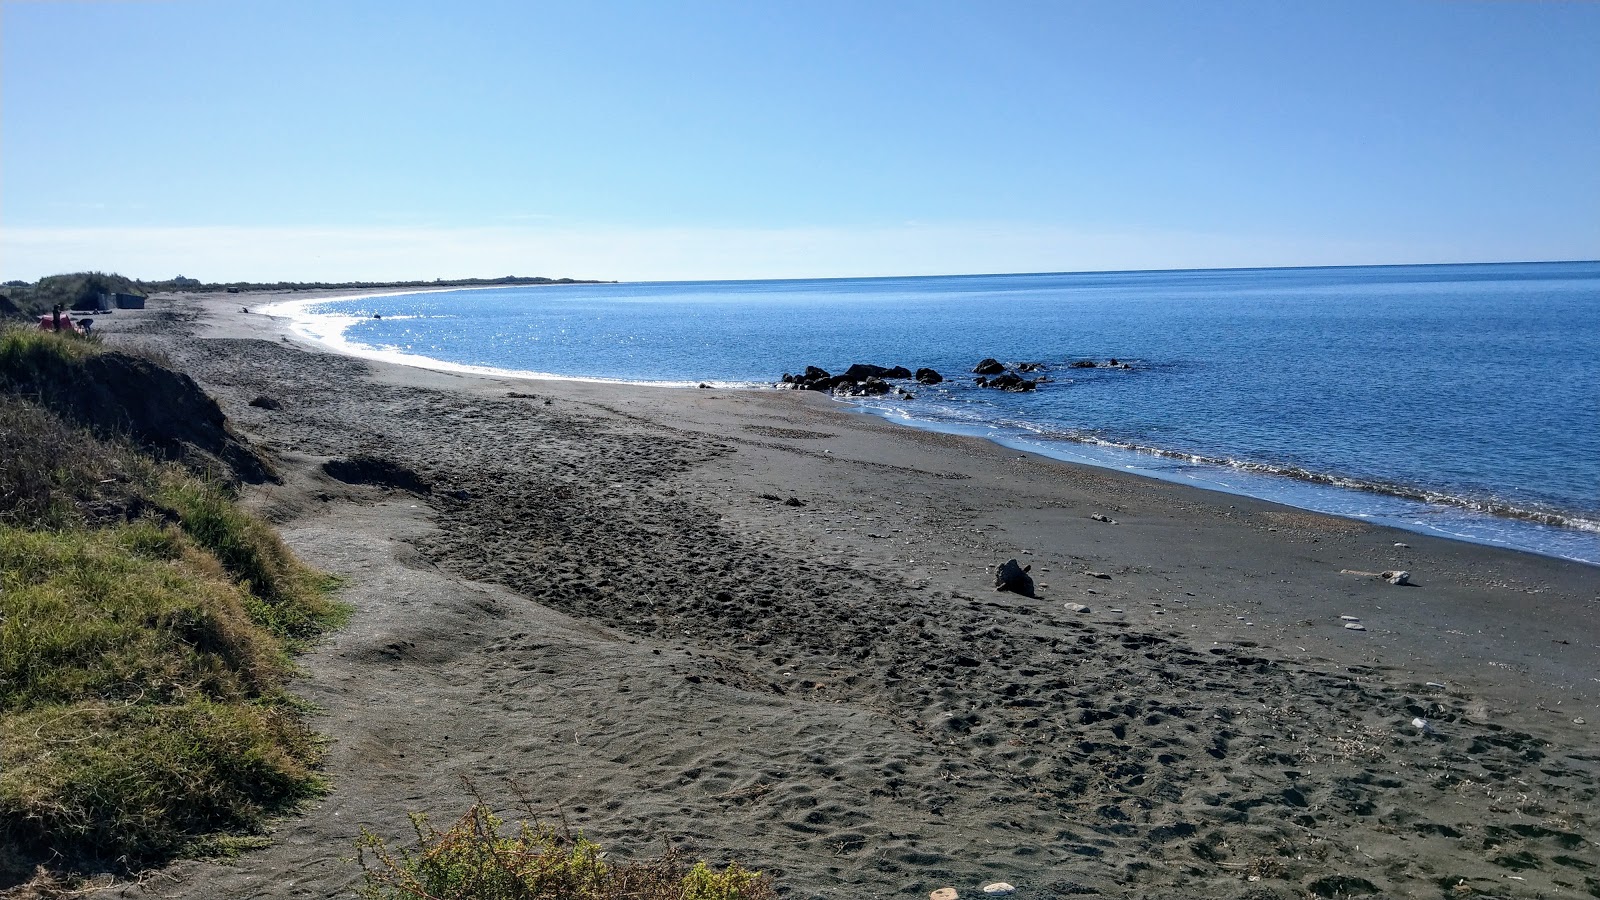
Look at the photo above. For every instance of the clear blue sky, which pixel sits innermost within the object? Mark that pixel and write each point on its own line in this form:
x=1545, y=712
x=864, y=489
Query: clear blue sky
x=355, y=139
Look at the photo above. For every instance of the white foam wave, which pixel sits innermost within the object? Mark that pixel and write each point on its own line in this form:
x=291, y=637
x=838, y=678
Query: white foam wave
x=329, y=329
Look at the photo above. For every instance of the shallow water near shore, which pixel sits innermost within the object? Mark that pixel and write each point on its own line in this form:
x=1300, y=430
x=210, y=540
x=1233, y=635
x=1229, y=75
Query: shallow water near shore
x=1453, y=400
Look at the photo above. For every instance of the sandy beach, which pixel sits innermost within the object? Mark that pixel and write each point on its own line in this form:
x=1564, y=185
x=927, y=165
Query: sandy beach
x=760, y=627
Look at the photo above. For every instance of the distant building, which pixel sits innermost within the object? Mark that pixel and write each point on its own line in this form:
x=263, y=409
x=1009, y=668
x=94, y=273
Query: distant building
x=108, y=302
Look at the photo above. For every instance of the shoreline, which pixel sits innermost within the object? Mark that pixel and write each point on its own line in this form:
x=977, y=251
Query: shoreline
x=604, y=592
x=1491, y=523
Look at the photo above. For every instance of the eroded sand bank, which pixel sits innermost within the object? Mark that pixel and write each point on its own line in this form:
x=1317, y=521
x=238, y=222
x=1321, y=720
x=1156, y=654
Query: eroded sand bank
x=599, y=599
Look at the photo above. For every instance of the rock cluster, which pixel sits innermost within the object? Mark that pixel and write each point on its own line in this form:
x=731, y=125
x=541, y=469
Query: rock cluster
x=860, y=380
x=1004, y=380
x=864, y=380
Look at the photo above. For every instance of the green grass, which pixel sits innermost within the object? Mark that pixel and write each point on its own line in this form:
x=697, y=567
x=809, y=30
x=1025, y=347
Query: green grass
x=133, y=613
x=92, y=784
x=283, y=595
x=23, y=348
x=146, y=621
x=143, y=704
x=476, y=859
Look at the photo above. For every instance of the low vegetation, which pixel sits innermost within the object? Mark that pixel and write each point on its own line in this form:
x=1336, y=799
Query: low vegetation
x=79, y=290
x=476, y=859
x=144, y=648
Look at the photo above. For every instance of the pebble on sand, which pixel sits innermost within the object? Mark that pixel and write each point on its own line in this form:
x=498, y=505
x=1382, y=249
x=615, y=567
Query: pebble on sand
x=1351, y=618
x=945, y=893
x=998, y=888
x=1076, y=607
x=1355, y=626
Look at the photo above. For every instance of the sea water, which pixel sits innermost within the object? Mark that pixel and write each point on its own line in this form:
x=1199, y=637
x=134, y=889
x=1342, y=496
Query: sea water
x=1458, y=400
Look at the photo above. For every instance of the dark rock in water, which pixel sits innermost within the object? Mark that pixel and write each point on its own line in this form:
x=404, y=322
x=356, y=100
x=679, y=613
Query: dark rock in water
x=704, y=386
x=990, y=366
x=265, y=402
x=1010, y=381
x=1112, y=362
x=813, y=379
x=1012, y=576
x=928, y=376
x=861, y=379
x=373, y=470
x=1083, y=364
x=1029, y=367
x=863, y=371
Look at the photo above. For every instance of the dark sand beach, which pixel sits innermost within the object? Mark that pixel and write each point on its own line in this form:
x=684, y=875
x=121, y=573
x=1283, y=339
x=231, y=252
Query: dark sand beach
x=605, y=594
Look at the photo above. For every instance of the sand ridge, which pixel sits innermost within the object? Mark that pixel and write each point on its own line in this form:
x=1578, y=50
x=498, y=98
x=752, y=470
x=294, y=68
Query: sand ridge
x=599, y=599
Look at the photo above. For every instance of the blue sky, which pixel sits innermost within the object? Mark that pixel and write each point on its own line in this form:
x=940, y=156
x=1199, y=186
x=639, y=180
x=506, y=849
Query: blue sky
x=389, y=140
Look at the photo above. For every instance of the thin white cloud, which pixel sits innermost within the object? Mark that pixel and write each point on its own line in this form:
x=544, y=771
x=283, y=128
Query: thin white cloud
x=240, y=253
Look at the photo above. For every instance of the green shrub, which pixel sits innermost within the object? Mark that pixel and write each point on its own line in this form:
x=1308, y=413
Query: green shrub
x=475, y=860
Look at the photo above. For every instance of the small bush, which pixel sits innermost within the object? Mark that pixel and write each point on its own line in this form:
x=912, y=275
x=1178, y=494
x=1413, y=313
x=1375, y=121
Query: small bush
x=474, y=860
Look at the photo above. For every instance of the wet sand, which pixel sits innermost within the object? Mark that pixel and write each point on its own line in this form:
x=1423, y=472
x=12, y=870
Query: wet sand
x=608, y=596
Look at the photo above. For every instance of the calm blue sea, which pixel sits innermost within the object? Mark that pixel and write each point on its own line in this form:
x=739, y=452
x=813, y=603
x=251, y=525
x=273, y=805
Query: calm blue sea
x=1458, y=400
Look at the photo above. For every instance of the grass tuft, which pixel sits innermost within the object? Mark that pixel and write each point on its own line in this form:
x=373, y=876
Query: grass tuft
x=24, y=349
x=285, y=596
x=476, y=859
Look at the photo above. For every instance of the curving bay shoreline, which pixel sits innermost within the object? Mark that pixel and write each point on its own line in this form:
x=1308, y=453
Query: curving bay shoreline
x=598, y=597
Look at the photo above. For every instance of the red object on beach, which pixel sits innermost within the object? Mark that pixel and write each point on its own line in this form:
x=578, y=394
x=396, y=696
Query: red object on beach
x=47, y=322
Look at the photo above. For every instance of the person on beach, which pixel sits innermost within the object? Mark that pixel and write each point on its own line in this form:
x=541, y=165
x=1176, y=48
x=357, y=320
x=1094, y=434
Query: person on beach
x=55, y=316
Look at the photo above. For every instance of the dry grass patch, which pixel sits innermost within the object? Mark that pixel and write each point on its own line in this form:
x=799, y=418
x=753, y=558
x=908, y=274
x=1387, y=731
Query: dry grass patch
x=480, y=858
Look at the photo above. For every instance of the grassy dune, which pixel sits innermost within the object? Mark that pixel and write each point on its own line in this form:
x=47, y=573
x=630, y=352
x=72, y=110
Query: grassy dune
x=148, y=622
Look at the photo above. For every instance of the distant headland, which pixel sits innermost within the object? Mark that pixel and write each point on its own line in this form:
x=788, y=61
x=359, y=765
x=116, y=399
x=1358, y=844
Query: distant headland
x=83, y=290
